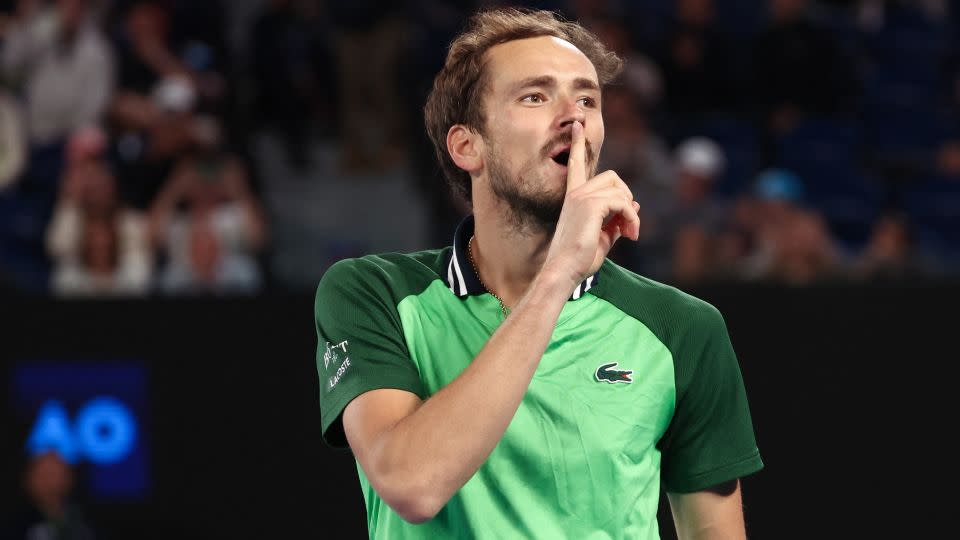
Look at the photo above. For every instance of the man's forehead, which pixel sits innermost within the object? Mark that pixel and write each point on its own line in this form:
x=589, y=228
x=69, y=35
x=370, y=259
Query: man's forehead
x=537, y=56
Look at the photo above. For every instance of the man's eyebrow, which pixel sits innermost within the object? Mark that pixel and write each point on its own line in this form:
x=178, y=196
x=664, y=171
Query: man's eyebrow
x=580, y=83
x=542, y=80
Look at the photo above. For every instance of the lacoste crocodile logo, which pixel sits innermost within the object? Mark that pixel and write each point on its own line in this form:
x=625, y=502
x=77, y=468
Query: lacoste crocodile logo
x=608, y=373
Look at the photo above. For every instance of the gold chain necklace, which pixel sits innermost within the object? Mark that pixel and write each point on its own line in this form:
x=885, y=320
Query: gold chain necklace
x=476, y=271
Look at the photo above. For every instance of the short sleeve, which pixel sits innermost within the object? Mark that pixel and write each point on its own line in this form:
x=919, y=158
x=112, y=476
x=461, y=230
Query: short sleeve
x=360, y=342
x=710, y=439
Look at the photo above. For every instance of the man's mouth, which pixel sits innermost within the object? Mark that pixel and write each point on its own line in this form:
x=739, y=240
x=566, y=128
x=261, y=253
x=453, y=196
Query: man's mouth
x=561, y=157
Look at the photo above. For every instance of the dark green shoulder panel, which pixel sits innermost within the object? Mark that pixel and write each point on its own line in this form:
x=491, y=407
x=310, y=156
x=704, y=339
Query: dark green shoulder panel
x=394, y=275
x=360, y=339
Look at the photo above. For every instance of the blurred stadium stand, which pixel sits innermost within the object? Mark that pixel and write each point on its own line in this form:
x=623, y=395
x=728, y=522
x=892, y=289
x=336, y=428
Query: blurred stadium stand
x=272, y=75
x=249, y=108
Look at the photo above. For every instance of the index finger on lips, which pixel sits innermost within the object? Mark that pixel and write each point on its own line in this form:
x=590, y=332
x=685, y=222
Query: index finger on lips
x=576, y=163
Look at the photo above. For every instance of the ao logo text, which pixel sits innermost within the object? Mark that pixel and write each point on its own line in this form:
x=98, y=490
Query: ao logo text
x=103, y=431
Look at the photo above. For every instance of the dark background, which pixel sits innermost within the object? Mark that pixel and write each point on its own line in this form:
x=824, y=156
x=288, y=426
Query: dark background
x=847, y=389
x=848, y=363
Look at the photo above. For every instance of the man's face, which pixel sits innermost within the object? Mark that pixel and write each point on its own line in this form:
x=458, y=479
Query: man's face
x=537, y=88
x=48, y=479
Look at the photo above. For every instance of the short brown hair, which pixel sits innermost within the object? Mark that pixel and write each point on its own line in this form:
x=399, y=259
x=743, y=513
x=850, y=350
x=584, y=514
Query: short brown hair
x=458, y=88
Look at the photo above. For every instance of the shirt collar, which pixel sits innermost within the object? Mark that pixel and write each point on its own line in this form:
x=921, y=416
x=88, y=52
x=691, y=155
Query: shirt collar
x=461, y=278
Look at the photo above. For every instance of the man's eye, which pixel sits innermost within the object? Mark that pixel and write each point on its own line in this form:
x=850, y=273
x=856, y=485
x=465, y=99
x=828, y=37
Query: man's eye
x=533, y=98
x=588, y=102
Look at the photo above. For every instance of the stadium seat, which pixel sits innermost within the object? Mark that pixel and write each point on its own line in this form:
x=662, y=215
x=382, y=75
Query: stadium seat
x=932, y=205
x=905, y=58
x=905, y=133
x=825, y=154
x=22, y=226
x=740, y=18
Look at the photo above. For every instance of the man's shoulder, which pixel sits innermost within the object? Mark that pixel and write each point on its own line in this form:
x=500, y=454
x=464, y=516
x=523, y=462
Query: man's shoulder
x=397, y=273
x=652, y=302
x=623, y=282
x=418, y=262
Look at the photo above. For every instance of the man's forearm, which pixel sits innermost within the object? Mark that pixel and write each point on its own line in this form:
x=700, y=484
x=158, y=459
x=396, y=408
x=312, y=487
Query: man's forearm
x=438, y=448
x=709, y=514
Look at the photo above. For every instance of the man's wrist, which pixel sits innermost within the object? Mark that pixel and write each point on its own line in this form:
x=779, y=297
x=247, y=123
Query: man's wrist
x=554, y=283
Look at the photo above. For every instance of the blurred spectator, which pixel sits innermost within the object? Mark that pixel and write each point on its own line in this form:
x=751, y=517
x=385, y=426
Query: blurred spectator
x=13, y=141
x=59, y=59
x=782, y=240
x=285, y=52
x=790, y=55
x=197, y=38
x=151, y=110
x=207, y=220
x=433, y=24
x=634, y=150
x=697, y=216
x=888, y=252
x=677, y=241
x=99, y=247
x=208, y=265
x=948, y=159
x=144, y=46
x=369, y=43
x=698, y=69
x=50, y=514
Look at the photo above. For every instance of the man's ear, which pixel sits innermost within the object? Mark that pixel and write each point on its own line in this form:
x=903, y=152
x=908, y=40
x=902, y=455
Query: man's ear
x=465, y=147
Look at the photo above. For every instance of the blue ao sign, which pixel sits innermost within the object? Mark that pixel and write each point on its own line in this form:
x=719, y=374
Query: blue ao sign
x=92, y=414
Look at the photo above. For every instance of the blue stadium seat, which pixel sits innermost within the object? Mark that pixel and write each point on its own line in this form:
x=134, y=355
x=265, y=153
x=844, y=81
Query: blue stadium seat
x=908, y=52
x=23, y=222
x=740, y=18
x=732, y=18
x=933, y=208
x=820, y=143
x=44, y=167
x=906, y=132
x=25, y=212
x=825, y=154
x=655, y=8
x=649, y=21
x=908, y=32
x=841, y=22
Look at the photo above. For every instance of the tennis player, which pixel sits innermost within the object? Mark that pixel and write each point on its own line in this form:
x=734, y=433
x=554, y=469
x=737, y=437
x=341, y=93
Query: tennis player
x=518, y=384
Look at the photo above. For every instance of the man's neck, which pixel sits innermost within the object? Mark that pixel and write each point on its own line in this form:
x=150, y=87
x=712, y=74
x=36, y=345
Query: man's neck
x=51, y=507
x=507, y=258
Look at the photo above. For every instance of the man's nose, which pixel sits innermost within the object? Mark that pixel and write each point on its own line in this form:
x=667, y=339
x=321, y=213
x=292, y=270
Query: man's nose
x=571, y=111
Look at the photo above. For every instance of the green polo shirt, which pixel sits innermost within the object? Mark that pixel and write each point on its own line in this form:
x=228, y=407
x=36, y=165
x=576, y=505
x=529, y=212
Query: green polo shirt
x=638, y=388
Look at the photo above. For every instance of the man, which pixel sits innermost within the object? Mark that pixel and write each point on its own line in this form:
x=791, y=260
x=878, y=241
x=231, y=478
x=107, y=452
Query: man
x=517, y=384
x=49, y=512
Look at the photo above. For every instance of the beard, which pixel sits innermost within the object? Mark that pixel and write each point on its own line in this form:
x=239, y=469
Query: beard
x=532, y=205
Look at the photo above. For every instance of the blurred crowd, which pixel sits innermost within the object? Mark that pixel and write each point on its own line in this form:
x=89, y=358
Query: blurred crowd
x=788, y=140
x=783, y=140
x=120, y=178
